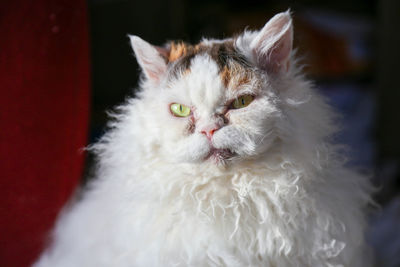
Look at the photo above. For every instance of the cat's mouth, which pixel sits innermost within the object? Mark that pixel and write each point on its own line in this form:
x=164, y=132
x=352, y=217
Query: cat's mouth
x=219, y=155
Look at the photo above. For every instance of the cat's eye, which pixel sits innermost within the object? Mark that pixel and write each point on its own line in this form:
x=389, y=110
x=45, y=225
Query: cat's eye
x=180, y=110
x=242, y=101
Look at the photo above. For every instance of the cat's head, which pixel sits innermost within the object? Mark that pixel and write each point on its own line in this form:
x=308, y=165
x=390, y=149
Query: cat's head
x=218, y=100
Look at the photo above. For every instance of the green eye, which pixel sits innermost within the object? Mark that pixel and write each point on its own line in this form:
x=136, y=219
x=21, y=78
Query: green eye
x=180, y=110
x=242, y=101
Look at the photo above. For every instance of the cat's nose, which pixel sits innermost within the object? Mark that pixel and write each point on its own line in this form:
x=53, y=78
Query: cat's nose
x=209, y=131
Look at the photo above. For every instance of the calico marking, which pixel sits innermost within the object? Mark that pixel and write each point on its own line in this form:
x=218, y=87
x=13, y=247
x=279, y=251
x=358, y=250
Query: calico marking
x=230, y=63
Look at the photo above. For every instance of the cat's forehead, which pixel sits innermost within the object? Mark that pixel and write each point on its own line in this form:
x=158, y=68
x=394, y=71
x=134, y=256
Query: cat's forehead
x=233, y=68
x=219, y=51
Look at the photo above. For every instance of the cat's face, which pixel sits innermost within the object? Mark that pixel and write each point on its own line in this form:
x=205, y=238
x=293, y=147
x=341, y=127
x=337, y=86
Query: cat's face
x=216, y=101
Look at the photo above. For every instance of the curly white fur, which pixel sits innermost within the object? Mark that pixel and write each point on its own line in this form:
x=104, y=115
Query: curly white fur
x=285, y=199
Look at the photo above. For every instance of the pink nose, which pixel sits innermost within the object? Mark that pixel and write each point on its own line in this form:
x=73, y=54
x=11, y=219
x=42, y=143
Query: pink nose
x=209, y=132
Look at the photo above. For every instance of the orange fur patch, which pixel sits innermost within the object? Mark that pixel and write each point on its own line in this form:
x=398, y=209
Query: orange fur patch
x=177, y=51
x=236, y=75
x=226, y=76
x=243, y=80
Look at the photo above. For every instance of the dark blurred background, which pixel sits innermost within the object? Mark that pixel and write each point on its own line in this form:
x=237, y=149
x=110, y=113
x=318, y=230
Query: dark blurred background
x=350, y=49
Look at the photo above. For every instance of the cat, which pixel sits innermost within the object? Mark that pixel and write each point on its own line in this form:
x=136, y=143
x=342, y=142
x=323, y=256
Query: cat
x=224, y=158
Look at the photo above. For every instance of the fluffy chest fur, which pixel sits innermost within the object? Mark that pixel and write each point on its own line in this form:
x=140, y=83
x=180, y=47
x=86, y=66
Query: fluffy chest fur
x=259, y=216
x=223, y=159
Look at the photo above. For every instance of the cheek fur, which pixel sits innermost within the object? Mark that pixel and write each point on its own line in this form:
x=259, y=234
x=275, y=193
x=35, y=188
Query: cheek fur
x=192, y=148
x=250, y=131
x=191, y=125
x=236, y=140
x=181, y=144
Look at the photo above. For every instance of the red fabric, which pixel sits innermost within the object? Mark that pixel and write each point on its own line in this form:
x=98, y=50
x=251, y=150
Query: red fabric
x=44, y=96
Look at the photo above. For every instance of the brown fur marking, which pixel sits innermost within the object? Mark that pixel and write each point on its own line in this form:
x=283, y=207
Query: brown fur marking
x=243, y=80
x=226, y=76
x=234, y=76
x=229, y=61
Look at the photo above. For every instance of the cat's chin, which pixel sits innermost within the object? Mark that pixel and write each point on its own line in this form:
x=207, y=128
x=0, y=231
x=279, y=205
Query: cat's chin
x=219, y=156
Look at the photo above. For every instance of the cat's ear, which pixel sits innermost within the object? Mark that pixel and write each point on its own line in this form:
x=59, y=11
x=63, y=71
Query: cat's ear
x=272, y=45
x=150, y=58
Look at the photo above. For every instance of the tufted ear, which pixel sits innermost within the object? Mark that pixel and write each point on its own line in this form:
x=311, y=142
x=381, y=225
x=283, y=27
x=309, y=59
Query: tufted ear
x=150, y=58
x=272, y=45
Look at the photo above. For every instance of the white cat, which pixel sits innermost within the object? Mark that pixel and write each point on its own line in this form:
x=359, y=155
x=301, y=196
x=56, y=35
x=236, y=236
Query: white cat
x=224, y=158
